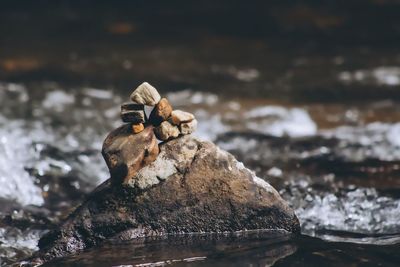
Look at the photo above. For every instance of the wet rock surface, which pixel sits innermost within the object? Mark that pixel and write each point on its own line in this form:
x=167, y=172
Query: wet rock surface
x=125, y=153
x=193, y=186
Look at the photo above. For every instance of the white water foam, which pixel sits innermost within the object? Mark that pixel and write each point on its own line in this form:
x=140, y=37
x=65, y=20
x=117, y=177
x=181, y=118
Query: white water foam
x=359, y=211
x=375, y=140
x=16, y=153
x=383, y=75
x=280, y=121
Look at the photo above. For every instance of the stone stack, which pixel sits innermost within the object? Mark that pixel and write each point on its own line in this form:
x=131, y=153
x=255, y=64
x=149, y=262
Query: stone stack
x=168, y=123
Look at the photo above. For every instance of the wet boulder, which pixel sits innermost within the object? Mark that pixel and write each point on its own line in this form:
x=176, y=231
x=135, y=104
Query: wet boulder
x=192, y=186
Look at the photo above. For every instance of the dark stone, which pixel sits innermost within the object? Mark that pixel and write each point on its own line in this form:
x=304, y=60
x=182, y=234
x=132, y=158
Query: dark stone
x=133, y=116
x=129, y=106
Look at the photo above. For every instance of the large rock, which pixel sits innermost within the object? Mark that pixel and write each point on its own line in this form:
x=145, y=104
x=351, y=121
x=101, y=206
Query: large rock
x=192, y=186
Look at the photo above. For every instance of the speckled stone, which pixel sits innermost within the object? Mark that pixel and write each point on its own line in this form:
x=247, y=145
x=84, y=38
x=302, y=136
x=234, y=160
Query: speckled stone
x=188, y=127
x=166, y=131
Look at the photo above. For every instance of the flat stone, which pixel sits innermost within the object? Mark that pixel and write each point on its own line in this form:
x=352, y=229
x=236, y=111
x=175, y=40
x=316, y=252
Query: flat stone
x=161, y=112
x=192, y=187
x=131, y=106
x=137, y=128
x=188, y=127
x=166, y=131
x=134, y=116
x=125, y=153
x=179, y=116
x=146, y=94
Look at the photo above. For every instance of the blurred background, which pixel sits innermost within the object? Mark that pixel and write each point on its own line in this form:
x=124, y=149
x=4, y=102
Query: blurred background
x=306, y=93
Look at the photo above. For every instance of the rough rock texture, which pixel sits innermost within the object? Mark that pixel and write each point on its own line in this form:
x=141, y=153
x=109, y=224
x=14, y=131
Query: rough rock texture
x=125, y=153
x=145, y=94
x=166, y=131
x=161, y=112
x=192, y=186
x=188, y=127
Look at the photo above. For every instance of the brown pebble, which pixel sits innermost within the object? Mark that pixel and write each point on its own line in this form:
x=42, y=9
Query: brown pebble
x=161, y=112
x=137, y=128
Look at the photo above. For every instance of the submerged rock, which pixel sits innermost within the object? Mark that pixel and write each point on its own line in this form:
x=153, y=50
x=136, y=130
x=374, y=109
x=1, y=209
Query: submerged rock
x=192, y=186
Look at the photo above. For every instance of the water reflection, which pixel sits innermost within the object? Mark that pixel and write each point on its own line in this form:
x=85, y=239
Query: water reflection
x=243, y=249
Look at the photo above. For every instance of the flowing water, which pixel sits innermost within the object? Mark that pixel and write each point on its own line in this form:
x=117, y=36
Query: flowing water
x=320, y=121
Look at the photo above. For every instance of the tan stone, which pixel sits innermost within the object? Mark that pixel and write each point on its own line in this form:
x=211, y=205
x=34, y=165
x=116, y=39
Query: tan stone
x=166, y=131
x=161, y=112
x=188, y=127
x=146, y=94
x=137, y=128
x=179, y=116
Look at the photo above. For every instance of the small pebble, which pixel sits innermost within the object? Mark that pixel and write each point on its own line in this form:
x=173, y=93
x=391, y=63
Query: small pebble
x=137, y=128
x=134, y=116
x=179, y=116
x=166, y=131
x=146, y=94
x=131, y=106
x=188, y=127
x=161, y=112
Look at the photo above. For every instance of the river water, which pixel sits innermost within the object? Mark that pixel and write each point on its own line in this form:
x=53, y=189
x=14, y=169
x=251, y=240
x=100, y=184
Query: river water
x=319, y=120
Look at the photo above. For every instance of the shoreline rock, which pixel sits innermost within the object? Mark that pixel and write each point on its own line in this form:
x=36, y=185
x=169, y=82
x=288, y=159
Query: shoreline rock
x=192, y=186
x=182, y=185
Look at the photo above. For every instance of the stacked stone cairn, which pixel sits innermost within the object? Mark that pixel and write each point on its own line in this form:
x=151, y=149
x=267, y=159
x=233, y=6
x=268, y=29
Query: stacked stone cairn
x=168, y=123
